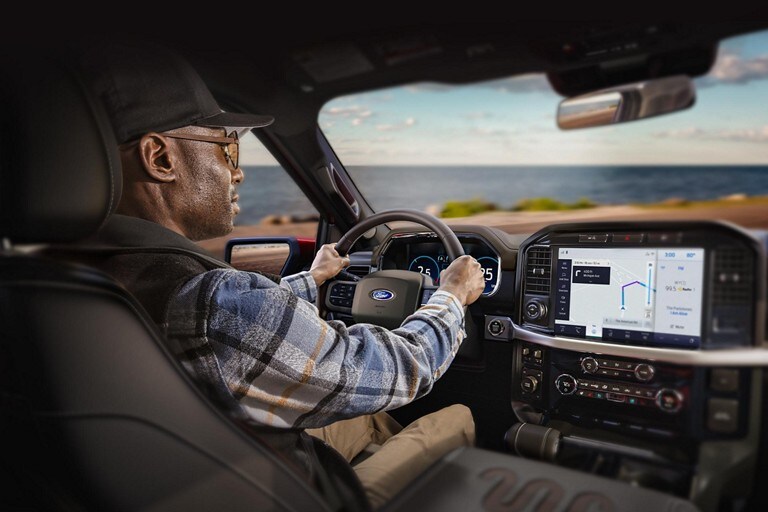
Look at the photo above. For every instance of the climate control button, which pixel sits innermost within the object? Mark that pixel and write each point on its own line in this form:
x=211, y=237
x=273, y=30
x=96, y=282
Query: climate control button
x=566, y=384
x=669, y=400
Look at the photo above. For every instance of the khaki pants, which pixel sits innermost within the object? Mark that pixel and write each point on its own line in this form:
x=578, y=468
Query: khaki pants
x=399, y=454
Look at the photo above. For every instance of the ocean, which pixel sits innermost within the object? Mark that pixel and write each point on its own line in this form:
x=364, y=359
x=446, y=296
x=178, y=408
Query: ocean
x=270, y=191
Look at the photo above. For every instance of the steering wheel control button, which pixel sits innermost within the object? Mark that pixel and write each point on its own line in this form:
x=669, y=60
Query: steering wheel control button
x=565, y=384
x=723, y=415
x=496, y=327
x=589, y=365
x=529, y=384
x=669, y=400
x=342, y=294
x=644, y=372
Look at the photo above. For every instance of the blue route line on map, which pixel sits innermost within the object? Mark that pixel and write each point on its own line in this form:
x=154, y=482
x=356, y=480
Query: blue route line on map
x=641, y=284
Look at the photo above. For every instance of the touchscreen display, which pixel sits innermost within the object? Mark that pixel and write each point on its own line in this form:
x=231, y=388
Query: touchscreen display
x=645, y=296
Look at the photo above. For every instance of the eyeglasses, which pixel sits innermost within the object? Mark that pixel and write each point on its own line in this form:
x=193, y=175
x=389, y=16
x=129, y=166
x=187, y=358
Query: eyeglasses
x=230, y=143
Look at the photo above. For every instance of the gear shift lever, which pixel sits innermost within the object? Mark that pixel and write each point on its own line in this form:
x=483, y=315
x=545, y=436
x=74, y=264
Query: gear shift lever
x=533, y=441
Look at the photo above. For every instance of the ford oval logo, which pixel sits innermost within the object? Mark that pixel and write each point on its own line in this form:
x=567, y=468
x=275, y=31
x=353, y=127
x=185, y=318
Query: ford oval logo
x=382, y=294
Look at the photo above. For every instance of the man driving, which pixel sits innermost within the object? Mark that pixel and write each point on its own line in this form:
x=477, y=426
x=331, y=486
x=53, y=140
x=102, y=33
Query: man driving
x=246, y=337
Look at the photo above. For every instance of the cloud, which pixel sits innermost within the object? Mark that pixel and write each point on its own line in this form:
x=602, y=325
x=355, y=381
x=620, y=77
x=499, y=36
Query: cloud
x=746, y=135
x=732, y=68
x=522, y=83
x=354, y=111
x=407, y=123
x=429, y=87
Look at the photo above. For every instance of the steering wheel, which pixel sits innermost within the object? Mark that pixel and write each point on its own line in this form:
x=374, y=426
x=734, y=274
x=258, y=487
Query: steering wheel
x=385, y=297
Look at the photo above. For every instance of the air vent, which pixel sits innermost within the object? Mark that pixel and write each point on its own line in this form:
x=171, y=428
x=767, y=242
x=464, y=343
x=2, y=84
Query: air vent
x=359, y=270
x=538, y=271
x=733, y=277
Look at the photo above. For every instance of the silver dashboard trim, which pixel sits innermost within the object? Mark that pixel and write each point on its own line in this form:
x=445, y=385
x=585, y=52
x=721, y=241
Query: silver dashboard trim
x=748, y=357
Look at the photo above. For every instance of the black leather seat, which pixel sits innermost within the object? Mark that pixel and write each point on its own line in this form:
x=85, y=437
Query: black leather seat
x=96, y=413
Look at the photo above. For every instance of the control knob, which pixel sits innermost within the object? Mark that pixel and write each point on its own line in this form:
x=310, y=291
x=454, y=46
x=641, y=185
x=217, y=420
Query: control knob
x=535, y=310
x=529, y=384
x=589, y=365
x=566, y=384
x=644, y=372
x=669, y=400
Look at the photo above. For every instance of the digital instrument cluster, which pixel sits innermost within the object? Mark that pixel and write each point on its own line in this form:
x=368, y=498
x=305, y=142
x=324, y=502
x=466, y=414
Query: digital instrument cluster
x=421, y=254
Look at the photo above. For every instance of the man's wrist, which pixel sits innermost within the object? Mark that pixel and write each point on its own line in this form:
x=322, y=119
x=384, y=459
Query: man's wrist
x=315, y=276
x=459, y=296
x=318, y=276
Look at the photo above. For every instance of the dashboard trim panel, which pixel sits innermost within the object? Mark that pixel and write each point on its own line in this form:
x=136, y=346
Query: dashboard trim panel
x=748, y=357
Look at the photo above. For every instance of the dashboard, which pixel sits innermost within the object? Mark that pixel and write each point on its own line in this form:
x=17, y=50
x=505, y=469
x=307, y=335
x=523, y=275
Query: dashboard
x=642, y=342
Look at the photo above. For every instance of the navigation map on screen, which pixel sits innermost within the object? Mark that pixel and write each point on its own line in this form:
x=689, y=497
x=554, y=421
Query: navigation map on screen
x=648, y=295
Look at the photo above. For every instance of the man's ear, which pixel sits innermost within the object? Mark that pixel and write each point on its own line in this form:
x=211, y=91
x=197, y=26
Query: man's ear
x=154, y=154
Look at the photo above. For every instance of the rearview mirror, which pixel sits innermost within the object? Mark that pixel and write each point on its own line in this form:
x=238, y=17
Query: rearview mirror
x=628, y=102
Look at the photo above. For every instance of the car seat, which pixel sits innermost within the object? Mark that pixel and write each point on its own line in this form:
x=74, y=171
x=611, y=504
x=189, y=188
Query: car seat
x=96, y=413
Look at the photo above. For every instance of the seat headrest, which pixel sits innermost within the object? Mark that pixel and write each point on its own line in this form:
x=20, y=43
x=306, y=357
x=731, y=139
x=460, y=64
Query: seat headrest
x=59, y=164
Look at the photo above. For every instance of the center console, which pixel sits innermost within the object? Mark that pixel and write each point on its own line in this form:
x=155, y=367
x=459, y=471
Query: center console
x=639, y=335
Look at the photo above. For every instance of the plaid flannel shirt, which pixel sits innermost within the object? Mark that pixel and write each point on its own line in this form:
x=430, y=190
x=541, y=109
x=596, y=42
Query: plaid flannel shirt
x=287, y=367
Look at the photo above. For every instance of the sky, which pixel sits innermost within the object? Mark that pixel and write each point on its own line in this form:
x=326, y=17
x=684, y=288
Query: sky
x=512, y=122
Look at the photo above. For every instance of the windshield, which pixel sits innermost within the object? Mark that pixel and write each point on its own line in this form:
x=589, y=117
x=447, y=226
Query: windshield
x=492, y=151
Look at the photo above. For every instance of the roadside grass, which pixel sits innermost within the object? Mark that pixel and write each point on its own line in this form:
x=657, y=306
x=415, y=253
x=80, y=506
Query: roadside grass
x=477, y=205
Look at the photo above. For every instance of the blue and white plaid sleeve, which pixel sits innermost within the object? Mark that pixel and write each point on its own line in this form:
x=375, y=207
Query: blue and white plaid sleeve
x=302, y=285
x=287, y=367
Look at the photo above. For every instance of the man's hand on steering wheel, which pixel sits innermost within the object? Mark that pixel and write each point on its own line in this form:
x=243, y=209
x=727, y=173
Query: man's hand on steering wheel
x=386, y=297
x=464, y=278
x=327, y=264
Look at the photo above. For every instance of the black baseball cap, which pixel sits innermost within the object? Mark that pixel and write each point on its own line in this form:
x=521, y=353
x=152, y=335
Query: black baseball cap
x=148, y=87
